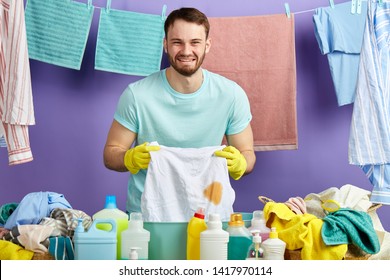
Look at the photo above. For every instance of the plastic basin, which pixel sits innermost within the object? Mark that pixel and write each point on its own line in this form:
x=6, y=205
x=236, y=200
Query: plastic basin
x=168, y=241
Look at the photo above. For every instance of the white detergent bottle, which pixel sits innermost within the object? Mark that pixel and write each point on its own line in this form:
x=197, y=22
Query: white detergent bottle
x=258, y=223
x=135, y=236
x=111, y=211
x=273, y=247
x=214, y=240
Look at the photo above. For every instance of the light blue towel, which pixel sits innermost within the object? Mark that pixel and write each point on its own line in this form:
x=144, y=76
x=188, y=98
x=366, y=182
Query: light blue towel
x=129, y=43
x=35, y=206
x=57, y=31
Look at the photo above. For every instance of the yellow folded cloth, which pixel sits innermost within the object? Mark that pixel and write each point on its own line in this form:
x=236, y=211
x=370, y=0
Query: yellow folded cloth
x=301, y=231
x=11, y=251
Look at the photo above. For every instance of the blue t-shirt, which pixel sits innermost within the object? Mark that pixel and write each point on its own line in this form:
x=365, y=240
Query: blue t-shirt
x=156, y=112
x=339, y=34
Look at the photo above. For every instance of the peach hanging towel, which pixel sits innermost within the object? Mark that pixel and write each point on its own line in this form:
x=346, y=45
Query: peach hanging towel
x=258, y=52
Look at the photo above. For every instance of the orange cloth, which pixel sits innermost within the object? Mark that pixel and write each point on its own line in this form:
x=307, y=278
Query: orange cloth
x=258, y=52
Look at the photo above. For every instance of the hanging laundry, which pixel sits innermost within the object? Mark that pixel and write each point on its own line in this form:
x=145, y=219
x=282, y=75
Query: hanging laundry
x=57, y=31
x=369, y=145
x=258, y=52
x=16, y=101
x=129, y=43
x=179, y=180
x=339, y=34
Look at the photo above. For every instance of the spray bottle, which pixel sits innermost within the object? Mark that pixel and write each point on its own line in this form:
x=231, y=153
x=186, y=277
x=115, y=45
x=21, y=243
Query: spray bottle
x=195, y=226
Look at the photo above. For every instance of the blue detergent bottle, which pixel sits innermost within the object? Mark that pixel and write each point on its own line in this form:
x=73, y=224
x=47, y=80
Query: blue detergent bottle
x=95, y=244
x=240, y=239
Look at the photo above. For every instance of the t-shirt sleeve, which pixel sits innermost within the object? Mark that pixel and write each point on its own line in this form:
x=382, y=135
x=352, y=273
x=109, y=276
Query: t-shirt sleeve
x=240, y=114
x=126, y=111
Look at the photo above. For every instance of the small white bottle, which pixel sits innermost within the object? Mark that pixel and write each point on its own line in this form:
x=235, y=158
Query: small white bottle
x=273, y=247
x=214, y=240
x=135, y=236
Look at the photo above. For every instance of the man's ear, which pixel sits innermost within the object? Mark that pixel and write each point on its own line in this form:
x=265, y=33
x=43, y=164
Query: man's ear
x=165, y=45
x=208, y=44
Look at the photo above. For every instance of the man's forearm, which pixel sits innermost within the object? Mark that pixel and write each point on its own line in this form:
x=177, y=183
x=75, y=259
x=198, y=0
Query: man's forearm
x=113, y=158
x=250, y=158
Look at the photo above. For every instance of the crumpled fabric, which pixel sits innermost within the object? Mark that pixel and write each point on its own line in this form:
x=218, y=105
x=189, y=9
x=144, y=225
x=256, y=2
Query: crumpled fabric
x=347, y=226
x=348, y=196
x=301, y=232
x=11, y=251
x=35, y=206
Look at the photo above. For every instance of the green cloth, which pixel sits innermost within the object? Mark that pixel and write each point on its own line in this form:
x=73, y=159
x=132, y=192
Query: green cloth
x=6, y=210
x=129, y=43
x=347, y=226
x=57, y=31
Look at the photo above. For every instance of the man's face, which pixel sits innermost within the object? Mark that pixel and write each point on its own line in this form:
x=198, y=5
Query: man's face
x=186, y=46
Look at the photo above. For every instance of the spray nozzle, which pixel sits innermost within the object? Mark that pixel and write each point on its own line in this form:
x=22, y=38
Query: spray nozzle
x=79, y=227
x=256, y=236
x=134, y=253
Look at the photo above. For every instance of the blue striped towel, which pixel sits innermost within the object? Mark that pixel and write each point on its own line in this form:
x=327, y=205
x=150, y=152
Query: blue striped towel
x=129, y=43
x=57, y=31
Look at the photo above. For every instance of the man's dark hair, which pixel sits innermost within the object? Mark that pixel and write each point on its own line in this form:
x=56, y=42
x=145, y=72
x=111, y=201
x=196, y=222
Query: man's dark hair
x=189, y=15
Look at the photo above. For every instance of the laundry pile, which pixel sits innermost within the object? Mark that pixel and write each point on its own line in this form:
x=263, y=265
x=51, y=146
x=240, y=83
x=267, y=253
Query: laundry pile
x=42, y=224
x=335, y=224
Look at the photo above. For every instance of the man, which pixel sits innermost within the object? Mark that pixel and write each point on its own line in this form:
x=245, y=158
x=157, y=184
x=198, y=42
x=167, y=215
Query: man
x=182, y=106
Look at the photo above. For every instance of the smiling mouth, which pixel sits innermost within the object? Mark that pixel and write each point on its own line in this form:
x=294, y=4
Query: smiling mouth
x=186, y=59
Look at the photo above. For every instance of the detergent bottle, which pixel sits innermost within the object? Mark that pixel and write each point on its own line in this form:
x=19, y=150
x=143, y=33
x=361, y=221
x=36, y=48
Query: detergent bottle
x=135, y=236
x=273, y=247
x=239, y=238
x=195, y=226
x=95, y=244
x=258, y=224
x=111, y=211
x=214, y=240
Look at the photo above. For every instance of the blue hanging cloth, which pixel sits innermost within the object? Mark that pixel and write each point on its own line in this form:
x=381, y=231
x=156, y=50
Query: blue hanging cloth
x=129, y=43
x=57, y=31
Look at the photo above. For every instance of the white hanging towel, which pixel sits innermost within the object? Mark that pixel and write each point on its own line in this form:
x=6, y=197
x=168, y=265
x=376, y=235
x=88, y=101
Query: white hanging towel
x=179, y=180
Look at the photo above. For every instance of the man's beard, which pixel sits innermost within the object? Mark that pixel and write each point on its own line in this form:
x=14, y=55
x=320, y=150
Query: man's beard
x=187, y=70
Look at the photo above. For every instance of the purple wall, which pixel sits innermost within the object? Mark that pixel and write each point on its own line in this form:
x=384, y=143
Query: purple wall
x=74, y=110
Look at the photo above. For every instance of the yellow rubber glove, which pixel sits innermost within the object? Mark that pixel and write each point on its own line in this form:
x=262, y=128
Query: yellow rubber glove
x=236, y=162
x=138, y=157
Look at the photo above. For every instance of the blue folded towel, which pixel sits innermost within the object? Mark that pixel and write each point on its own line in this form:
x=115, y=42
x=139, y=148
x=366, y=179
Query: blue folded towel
x=129, y=43
x=57, y=31
x=347, y=226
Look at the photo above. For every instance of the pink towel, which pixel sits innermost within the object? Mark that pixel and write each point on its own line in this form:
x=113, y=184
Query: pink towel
x=258, y=52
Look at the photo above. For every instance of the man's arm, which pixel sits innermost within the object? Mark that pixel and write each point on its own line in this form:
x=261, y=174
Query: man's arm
x=119, y=140
x=243, y=142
